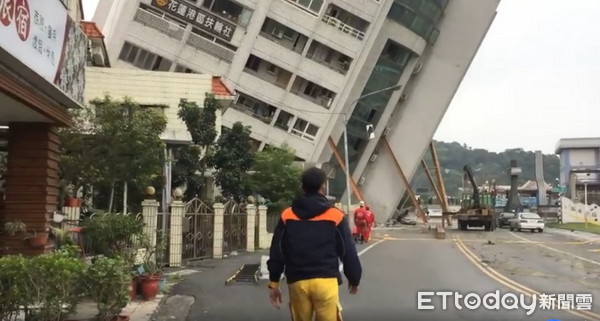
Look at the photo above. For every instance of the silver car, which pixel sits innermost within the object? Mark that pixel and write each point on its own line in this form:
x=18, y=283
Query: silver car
x=527, y=221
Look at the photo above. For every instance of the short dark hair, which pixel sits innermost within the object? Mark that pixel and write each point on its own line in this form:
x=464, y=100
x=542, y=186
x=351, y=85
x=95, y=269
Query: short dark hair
x=312, y=179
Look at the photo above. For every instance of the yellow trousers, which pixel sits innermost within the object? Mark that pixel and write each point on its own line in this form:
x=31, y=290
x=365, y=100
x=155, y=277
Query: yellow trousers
x=318, y=297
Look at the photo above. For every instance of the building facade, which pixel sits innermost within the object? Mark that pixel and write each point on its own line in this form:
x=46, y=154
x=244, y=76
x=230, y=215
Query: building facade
x=42, y=64
x=299, y=66
x=580, y=166
x=161, y=92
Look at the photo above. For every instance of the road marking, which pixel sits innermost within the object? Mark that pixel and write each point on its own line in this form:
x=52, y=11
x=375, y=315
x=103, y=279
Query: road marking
x=496, y=276
x=362, y=252
x=479, y=241
x=595, y=250
x=369, y=247
x=557, y=250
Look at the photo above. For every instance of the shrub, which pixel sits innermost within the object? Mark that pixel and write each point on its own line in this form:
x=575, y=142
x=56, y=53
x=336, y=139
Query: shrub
x=14, y=285
x=46, y=283
x=110, y=234
x=107, y=281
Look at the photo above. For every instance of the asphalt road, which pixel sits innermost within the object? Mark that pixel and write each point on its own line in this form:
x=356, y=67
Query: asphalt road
x=409, y=261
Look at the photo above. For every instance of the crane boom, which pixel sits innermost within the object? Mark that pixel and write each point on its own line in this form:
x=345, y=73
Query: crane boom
x=469, y=175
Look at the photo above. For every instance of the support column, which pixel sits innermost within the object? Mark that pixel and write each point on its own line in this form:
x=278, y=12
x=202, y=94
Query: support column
x=250, y=227
x=32, y=182
x=263, y=240
x=219, y=209
x=149, y=216
x=175, y=237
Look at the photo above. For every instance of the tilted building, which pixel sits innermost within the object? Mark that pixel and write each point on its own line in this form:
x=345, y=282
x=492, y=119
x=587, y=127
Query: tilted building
x=298, y=66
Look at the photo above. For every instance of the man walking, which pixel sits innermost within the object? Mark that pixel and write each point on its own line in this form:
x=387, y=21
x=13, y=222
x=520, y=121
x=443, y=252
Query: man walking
x=360, y=222
x=308, y=242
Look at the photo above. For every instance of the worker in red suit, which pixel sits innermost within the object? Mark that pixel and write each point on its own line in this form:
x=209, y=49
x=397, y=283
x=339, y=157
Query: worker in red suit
x=370, y=218
x=360, y=221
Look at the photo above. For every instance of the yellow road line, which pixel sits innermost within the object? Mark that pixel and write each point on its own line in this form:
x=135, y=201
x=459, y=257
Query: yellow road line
x=558, y=251
x=389, y=238
x=489, y=271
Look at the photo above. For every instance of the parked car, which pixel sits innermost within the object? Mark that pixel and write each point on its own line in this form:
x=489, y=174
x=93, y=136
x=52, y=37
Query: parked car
x=409, y=219
x=527, y=221
x=504, y=219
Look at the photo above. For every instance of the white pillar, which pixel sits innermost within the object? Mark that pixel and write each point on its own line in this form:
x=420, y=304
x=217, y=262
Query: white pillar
x=175, y=235
x=263, y=241
x=149, y=215
x=72, y=215
x=219, y=209
x=250, y=227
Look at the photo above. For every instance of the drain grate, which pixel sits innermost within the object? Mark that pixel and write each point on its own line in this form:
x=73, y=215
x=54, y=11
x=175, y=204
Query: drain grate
x=246, y=274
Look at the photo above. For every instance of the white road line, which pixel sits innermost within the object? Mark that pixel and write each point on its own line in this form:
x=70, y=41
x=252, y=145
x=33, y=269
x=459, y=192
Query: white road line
x=362, y=252
x=369, y=247
x=556, y=250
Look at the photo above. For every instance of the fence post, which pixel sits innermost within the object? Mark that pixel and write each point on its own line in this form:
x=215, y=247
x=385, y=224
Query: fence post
x=219, y=210
x=250, y=227
x=175, y=235
x=263, y=242
x=149, y=215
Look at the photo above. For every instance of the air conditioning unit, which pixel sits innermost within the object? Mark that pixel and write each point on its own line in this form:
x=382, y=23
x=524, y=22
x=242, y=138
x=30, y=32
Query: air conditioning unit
x=277, y=33
x=362, y=180
x=418, y=67
x=373, y=158
x=386, y=131
x=403, y=97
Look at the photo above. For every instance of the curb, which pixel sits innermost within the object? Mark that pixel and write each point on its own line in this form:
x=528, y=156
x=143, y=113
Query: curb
x=580, y=236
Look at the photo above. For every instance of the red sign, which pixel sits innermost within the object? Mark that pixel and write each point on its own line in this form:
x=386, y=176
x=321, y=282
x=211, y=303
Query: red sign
x=7, y=11
x=22, y=19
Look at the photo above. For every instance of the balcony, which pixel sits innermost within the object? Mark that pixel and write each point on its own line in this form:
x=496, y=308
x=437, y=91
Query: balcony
x=255, y=108
x=154, y=21
x=210, y=47
x=268, y=72
x=313, y=92
x=283, y=36
x=329, y=58
x=345, y=22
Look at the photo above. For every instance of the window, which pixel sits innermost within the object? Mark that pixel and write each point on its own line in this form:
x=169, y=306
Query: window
x=272, y=69
x=305, y=129
x=229, y=10
x=420, y=16
x=283, y=120
x=253, y=63
x=143, y=58
x=312, y=5
x=184, y=69
x=159, y=109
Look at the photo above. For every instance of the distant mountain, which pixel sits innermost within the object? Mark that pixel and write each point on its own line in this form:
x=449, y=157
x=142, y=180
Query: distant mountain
x=486, y=165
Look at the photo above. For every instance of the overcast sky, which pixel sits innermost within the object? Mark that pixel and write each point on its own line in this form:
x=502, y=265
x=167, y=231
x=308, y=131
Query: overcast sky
x=535, y=79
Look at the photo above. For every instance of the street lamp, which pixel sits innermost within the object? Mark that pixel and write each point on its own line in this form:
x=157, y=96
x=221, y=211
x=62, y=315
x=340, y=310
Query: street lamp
x=370, y=130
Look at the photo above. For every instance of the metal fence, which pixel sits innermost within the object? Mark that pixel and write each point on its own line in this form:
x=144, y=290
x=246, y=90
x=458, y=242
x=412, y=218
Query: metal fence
x=235, y=220
x=197, y=231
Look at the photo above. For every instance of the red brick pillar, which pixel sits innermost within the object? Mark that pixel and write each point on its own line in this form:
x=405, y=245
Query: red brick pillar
x=32, y=182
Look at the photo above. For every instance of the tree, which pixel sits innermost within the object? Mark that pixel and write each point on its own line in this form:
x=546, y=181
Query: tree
x=193, y=159
x=116, y=141
x=276, y=177
x=232, y=160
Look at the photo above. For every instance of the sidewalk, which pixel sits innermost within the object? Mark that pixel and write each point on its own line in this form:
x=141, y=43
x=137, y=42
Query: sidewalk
x=575, y=235
x=205, y=296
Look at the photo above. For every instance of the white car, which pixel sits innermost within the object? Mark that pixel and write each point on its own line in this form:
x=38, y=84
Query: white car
x=527, y=221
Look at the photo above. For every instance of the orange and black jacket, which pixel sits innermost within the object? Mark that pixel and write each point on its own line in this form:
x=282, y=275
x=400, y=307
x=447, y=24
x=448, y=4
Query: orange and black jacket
x=309, y=241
